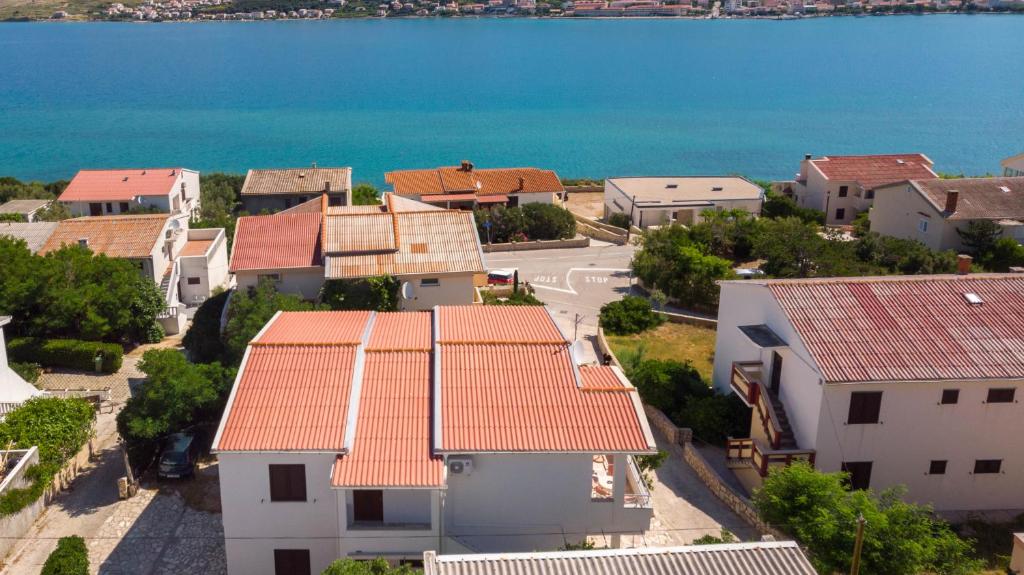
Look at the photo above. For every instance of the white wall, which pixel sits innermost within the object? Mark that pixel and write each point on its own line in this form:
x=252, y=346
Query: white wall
x=454, y=289
x=537, y=198
x=305, y=282
x=212, y=270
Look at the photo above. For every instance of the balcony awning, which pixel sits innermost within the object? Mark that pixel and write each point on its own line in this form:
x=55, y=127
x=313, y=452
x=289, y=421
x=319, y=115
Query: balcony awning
x=495, y=199
x=762, y=335
x=442, y=198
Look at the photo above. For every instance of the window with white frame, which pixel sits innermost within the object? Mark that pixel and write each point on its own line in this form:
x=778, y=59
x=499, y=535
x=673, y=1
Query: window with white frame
x=922, y=225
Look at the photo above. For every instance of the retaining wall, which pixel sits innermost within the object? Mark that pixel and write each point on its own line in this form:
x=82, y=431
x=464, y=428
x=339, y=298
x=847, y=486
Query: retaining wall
x=674, y=317
x=577, y=242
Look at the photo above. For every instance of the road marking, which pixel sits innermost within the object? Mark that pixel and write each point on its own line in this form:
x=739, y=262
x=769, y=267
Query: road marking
x=568, y=291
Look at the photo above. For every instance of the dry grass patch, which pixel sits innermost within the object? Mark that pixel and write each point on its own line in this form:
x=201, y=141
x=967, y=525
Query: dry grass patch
x=677, y=341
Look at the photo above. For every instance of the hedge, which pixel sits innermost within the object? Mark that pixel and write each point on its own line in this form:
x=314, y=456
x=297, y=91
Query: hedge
x=71, y=557
x=69, y=353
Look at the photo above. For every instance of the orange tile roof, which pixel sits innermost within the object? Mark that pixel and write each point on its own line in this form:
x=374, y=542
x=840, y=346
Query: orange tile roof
x=498, y=324
x=113, y=236
x=315, y=327
x=279, y=241
x=119, y=185
x=456, y=180
x=195, y=248
x=406, y=331
x=872, y=171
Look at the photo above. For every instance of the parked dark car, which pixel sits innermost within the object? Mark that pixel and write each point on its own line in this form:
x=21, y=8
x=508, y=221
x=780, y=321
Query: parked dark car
x=179, y=455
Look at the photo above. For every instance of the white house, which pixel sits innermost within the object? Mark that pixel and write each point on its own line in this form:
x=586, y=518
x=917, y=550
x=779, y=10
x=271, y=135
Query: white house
x=466, y=187
x=933, y=211
x=912, y=380
x=843, y=186
x=435, y=253
x=13, y=390
x=107, y=192
x=659, y=201
x=275, y=190
x=187, y=264
x=1013, y=166
x=461, y=429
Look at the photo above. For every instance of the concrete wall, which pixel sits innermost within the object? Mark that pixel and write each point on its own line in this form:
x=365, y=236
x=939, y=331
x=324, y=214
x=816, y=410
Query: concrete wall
x=577, y=242
x=13, y=527
x=454, y=289
x=305, y=282
x=211, y=269
x=898, y=211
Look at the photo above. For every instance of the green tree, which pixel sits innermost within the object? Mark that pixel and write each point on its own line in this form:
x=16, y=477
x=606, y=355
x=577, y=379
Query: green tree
x=219, y=195
x=671, y=261
x=979, y=236
x=378, y=293
x=376, y=567
x=365, y=195
x=1004, y=253
x=54, y=212
x=779, y=206
x=631, y=314
x=548, y=222
x=727, y=233
x=821, y=513
x=506, y=224
x=789, y=246
x=250, y=310
x=203, y=340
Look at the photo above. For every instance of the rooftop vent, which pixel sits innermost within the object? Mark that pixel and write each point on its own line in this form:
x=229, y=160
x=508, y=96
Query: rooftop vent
x=143, y=172
x=963, y=264
x=716, y=188
x=671, y=186
x=124, y=179
x=1005, y=189
x=302, y=174
x=467, y=166
x=899, y=161
x=973, y=298
x=174, y=172
x=314, y=165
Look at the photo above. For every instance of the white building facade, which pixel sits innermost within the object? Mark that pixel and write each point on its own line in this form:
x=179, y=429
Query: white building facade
x=117, y=192
x=658, y=201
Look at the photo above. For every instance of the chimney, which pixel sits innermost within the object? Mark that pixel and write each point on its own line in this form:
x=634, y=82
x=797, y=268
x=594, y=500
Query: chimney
x=327, y=187
x=952, y=197
x=314, y=165
x=522, y=183
x=467, y=166
x=963, y=264
x=83, y=242
x=807, y=156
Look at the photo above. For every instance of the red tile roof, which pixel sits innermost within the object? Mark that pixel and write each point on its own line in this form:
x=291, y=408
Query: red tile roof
x=872, y=171
x=195, y=248
x=914, y=328
x=276, y=242
x=119, y=185
x=455, y=180
x=315, y=327
x=498, y=324
x=113, y=236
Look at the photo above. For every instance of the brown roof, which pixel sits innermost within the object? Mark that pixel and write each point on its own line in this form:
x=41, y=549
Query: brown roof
x=978, y=198
x=296, y=181
x=113, y=236
x=195, y=248
x=306, y=207
x=23, y=206
x=456, y=180
x=276, y=242
x=872, y=171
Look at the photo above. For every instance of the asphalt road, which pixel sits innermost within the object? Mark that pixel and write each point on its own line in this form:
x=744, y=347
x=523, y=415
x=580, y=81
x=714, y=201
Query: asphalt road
x=574, y=283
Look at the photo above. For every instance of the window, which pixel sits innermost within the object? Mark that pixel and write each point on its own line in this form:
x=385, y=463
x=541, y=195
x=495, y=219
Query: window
x=193, y=281
x=840, y=213
x=950, y=396
x=336, y=201
x=291, y=562
x=843, y=191
x=270, y=277
x=937, y=467
x=1000, y=395
x=110, y=208
x=95, y=209
x=368, y=505
x=123, y=207
x=287, y=203
x=922, y=225
x=865, y=407
x=430, y=282
x=414, y=563
x=288, y=482
x=870, y=194
x=860, y=474
x=987, y=466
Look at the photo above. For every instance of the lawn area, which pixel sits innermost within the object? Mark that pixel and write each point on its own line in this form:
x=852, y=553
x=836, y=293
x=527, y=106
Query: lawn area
x=678, y=341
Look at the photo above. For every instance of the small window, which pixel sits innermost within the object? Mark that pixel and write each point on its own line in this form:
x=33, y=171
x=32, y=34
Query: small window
x=268, y=277
x=335, y=201
x=870, y=194
x=987, y=466
x=865, y=407
x=287, y=482
x=860, y=474
x=937, y=467
x=843, y=191
x=1000, y=395
x=430, y=282
x=950, y=396
x=123, y=206
x=193, y=281
x=922, y=225
x=840, y=213
x=291, y=562
x=287, y=203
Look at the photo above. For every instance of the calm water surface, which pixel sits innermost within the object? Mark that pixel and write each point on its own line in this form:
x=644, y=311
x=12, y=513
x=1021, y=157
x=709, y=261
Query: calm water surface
x=585, y=97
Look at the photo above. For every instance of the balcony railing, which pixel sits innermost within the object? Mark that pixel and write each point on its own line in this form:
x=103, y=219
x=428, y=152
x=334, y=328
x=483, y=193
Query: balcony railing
x=754, y=453
x=637, y=494
x=747, y=382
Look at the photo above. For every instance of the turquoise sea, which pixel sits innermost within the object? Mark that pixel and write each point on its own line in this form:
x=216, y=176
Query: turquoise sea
x=585, y=97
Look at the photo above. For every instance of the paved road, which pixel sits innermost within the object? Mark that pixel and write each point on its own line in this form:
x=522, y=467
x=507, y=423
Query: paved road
x=573, y=281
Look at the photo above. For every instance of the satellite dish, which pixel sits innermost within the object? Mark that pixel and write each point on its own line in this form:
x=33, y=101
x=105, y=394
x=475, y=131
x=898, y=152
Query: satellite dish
x=406, y=290
x=577, y=351
x=175, y=225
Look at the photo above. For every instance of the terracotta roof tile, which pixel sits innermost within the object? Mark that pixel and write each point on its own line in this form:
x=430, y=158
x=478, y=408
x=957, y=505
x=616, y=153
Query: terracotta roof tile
x=872, y=171
x=119, y=185
x=276, y=242
x=455, y=180
x=113, y=236
x=296, y=181
x=498, y=324
x=316, y=327
x=979, y=198
x=909, y=328
x=407, y=331
x=195, y=248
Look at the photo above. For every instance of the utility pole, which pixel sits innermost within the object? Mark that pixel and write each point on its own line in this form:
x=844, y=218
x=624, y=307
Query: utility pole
x=576, y=327
x=629, y=227
x=857, y=544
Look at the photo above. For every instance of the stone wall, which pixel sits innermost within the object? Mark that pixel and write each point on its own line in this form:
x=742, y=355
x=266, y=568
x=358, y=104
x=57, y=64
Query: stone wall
x=697, y=320
x=661, y=422
x=577, y=242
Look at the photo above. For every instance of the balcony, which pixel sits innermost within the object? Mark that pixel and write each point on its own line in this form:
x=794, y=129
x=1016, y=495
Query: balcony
x=752, y=453
x=636, y=495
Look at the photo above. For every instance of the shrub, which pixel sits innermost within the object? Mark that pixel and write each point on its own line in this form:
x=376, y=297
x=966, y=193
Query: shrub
x=521, y=297
x=71, y=557
x=378, y=566
x=28, y=371
x=619, y=220
x=548, y=222
x=376, y=294
x=67, y=353
x=203, y=340
x=154, y=334
x=779, y=206
x=250, y=310
x=629, y=315
x=725, y=536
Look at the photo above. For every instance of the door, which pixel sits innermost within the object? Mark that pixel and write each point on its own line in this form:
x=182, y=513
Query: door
x=776, y=380
x=368, y=505
x=95, y=209
x=291, y=562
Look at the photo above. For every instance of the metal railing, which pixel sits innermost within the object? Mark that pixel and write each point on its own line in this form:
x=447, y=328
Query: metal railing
x=762, y=459
x=747, y=383
x=637, y=494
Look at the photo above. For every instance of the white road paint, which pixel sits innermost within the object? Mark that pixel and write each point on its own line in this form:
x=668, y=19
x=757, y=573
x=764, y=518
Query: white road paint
x=542, y=279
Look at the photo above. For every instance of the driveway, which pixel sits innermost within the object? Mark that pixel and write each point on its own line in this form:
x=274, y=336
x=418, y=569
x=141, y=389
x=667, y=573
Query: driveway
x=574, y=283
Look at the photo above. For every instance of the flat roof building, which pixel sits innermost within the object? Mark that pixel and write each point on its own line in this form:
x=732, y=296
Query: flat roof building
x=656, y=201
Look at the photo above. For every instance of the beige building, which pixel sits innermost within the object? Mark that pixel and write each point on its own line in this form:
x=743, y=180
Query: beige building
x=679, y=200
x=434, y=252
x=276, y=190
x=912, y=381
x=26, y=209
x=468, y=187
x=844, y=186
x=932, y=211
x=1013, y=167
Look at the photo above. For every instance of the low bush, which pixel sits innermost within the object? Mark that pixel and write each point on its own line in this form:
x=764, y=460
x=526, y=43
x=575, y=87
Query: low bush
x=619, y=220
x=548, y=222
x=521, y=297
x=203, y=340
x=378, y=293
x=530, y=222
x=28, y=371
x=154, y=333
x=67, y=353
x=629, y=315
x=71, y=557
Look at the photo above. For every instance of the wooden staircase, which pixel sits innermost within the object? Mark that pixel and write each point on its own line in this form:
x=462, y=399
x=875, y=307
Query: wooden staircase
x=786, y=438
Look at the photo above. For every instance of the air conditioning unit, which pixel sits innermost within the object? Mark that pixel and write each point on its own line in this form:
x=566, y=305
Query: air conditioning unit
x=460, y=465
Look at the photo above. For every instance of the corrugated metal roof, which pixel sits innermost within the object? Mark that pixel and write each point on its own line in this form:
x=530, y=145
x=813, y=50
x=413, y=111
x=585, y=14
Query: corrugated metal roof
x=764, y=558
x=909, y=328
x=119, y=185
x=358, y=233
x=34, y=234
x=23, y=206
x=455, y=180
x=113, y=236
x=279, y=241
x=296, y=181
x=872, y=171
